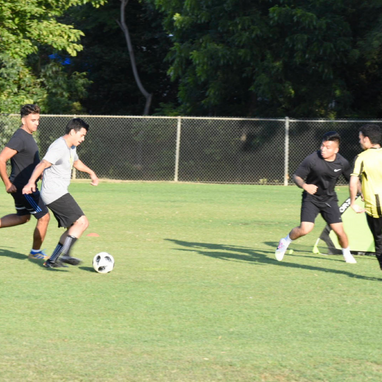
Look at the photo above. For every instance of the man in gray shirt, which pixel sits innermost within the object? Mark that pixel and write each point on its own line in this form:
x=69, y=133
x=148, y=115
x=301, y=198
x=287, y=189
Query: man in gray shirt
x=57, y=166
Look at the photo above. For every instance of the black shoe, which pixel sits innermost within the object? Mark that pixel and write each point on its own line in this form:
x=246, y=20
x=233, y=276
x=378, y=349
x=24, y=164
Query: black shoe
x=57, y=264
x=70, y=260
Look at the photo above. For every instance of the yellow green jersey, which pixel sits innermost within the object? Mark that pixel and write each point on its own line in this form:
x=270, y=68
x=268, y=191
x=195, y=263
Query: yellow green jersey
x=368, y=166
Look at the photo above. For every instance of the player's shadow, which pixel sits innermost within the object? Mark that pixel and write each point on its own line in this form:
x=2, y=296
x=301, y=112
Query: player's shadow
x=13, y=255
x=306, y=251
x=254, y=256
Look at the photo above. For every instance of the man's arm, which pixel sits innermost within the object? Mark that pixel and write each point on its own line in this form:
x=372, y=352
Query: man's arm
x=353, y=189
x=309, y=188
x=30, y=187
x=5, y=156
x=80, y=166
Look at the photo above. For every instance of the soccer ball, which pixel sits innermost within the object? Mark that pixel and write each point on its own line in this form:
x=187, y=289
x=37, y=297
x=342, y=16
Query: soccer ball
x=103, y=262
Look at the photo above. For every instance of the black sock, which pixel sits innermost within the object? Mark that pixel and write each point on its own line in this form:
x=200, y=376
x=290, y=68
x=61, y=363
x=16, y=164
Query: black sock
x=68, y=244
x=56, y=253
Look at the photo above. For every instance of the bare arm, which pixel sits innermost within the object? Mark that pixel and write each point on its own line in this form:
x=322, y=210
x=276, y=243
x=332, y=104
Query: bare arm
x=81, y=166
x=30, y=187
x=309, y=188
x=5, y=156
x=354, y=186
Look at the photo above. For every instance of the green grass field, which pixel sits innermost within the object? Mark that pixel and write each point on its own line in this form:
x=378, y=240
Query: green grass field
x=196, y=294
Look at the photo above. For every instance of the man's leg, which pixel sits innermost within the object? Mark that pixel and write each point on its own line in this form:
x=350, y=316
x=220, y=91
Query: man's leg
x=303, y=229
x=309, y=212
x=21, y=217
x=375, y=225
x=338, y=229
x=34, y=204
x=12, y=220
x=40, y=231
x=67, y=240
x=332, y=215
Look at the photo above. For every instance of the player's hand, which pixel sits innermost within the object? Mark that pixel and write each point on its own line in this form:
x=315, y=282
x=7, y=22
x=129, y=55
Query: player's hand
x=29, y=188
x=358, y=209
x=94, y=179
x=310, y=188
x=11, y=188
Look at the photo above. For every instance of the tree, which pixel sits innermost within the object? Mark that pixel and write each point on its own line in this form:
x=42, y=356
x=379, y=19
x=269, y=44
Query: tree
x=123, y=26
x=274, y=58
x=106, y=60
x=26, y=27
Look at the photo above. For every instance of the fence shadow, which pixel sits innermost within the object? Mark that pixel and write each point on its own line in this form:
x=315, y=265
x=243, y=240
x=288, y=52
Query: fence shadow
x=259, y=257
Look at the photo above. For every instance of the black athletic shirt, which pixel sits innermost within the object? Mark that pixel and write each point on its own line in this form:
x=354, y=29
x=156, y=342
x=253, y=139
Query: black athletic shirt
x=26, y=159
x=316, y=170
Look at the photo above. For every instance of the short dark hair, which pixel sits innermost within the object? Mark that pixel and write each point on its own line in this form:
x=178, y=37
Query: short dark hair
x=331, y=136
x=29, y=109
x=373, y=132
x=76, y=124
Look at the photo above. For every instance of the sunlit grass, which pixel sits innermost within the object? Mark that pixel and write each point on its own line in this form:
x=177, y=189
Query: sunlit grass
x=196, y=294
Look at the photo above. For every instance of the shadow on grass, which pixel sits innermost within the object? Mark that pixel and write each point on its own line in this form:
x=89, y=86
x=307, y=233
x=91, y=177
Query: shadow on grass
x=88, y=269
x=13, y=255
x=250, y=255
x=306, y=250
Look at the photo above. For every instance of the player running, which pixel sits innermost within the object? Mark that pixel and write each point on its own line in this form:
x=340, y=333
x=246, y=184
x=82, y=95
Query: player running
x=317, y=175
x=368, y=167
x=22, y=151
x=57, y=166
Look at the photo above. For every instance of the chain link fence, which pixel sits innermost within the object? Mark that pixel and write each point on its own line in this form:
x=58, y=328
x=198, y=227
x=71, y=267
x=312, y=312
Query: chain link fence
x=187, y=149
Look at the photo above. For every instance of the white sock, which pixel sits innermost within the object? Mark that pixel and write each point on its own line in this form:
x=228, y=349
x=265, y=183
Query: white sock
x=288, y=239
x=346, y=251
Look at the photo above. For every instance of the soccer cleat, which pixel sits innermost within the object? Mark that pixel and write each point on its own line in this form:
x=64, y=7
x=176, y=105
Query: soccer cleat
x=56, y=264
x=40, y=255
x=281, y=249
x=70, y=260
x=350, y=259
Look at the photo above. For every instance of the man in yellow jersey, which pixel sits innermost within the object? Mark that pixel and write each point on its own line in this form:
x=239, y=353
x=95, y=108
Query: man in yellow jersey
x=368, y=168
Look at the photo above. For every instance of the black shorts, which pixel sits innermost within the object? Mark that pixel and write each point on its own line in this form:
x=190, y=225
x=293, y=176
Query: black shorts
x=30, y=204
x=329, y=211
x=66, y=210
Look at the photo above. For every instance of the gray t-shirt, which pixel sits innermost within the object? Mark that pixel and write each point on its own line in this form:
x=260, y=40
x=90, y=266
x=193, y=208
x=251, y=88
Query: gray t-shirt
x=56, y=178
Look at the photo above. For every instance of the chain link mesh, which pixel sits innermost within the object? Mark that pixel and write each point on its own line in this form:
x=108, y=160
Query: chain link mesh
x=216, y=150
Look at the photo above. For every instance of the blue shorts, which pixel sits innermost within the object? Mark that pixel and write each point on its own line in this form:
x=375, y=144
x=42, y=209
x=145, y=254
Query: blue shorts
x=29, y=204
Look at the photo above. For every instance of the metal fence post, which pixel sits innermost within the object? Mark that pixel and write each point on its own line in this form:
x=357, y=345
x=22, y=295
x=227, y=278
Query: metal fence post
x=286, y=154
x=178, y=130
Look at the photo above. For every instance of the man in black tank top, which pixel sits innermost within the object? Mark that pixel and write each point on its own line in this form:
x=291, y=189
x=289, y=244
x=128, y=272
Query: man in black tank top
x=317, y=175
x=22, y=151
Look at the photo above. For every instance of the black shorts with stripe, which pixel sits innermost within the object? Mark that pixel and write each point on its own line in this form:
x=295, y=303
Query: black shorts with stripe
x=66, y=210
x=31, y=204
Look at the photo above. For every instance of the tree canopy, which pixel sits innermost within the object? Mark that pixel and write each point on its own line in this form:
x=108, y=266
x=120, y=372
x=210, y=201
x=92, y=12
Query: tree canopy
x=27, y=73
x=263, y=58
x=272, y=58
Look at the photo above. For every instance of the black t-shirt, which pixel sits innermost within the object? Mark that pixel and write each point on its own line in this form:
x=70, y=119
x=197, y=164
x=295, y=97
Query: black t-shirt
x=26, y=159
x=316, y=170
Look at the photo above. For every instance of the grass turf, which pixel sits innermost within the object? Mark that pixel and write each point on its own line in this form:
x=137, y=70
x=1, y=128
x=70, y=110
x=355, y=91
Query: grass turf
x=196, y=294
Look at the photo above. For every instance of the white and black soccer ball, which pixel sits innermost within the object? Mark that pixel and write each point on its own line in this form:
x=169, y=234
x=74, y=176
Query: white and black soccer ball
x=103, y=262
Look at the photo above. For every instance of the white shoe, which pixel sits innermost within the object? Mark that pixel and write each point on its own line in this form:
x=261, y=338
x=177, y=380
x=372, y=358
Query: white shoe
x=281, y=249
x=350, y=259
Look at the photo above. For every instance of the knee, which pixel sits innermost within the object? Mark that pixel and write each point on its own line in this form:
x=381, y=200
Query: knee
x=305, y=230
x=25, y=219
x=84, y=222
x=45, y=219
